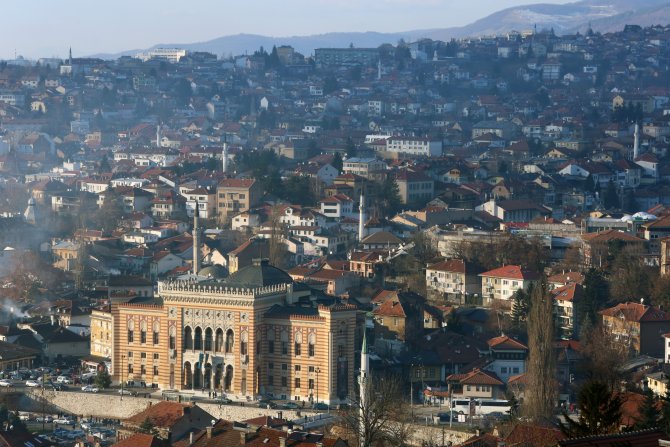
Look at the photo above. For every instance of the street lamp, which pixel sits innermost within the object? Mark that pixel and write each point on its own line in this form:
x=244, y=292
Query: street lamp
x=121, y=368
x=317, y=371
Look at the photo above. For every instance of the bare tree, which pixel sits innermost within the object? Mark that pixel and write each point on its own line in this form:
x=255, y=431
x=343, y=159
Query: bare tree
x=381, y=416
x=541, y=391
x=602, y=356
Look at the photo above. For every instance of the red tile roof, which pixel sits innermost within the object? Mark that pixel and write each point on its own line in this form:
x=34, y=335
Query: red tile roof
x=636, y=312
x=139, y=440
x=390, y=308
x=568, y=292
x=512, y=272
x=505, y=342
x=450, y=265
x=477, y=377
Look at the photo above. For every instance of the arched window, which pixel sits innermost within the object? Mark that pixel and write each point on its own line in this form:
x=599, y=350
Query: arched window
x=297, y=344
x=131, y=331
x=143, y=331
x=244, y=341
x=173, y=337
x=218, y=340
x=188, y=338
x=157, y=329
x=197, y=340
x=230, y=340
x=311, y=344
x=208, y=339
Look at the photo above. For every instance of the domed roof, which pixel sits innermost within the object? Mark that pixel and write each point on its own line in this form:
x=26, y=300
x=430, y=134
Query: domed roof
x=259, y=274
x=214, y=271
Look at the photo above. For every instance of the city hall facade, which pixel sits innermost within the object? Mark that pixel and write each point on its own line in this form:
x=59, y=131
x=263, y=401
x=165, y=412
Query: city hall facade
x=257, y=333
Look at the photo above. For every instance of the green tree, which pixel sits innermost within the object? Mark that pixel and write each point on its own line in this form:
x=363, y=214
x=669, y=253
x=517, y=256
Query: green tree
x=600, y=412
x=330, y=84
x=103, y=379
x=520, y=307
x=388, y=196
x=648, y=412
x=147, y=426
x=596, y=293
x=611, y=198
x=664, y=422
x=337, y=162
x=351, y=148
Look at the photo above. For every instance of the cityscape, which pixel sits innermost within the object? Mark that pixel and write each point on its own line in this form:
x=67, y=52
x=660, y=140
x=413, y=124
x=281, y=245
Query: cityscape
x=458, y=241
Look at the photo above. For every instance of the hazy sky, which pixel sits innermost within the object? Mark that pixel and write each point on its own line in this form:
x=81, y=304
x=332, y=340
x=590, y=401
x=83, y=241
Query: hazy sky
x=45, y=28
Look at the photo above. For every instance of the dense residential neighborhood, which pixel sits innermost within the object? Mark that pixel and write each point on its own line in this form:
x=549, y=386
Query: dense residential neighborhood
x=471, y=236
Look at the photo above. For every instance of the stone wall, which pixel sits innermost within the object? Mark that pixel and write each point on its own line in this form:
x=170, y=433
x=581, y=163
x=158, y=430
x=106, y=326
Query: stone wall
x=111, y=406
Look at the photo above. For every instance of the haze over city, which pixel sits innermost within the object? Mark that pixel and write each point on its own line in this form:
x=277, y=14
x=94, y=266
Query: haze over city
x=109, y=27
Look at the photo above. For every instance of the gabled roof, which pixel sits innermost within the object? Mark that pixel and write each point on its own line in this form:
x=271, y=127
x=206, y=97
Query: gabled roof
x=382, y=237
x=450, y=265
x=569, y=292
x=391, y=308
x=140, y=440
x=636, y=312
x=476, y=377
x=506, y=343
x=512, y=272
x=610, y=235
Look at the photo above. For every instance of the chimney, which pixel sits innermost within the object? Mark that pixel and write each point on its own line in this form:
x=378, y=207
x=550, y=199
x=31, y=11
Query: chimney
x=282, y=442
x=209, y=432
x=243, y=438
x=190, y=438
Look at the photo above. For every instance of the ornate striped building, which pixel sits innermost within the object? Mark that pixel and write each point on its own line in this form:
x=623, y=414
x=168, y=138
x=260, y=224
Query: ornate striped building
x=255, y=333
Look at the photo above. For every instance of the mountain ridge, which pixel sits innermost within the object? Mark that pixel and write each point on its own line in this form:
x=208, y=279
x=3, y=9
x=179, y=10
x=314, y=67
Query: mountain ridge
x=600, y=15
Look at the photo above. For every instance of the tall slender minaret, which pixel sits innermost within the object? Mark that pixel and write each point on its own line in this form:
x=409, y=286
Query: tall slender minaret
x=363, y=388
x=158, y=135
x=636, y=142
x=196, y=239
x=361, y=218
x=379, y=70
x=225, y=157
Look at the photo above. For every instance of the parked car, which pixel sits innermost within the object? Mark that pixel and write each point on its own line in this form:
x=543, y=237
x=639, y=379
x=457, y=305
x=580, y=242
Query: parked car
x=64, y=379
x=290, y=406
x=33, y=383
x=224, y=400
x=47, y=419
x=320, y=406
x=126, y=392
x=59, y=387
x=6, y=383
x=90, y=389
x=63, y=420
x=267, y=404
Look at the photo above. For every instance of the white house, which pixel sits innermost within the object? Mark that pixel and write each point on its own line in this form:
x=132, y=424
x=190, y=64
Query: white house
x=414, y=146
x=337, y=206
x=508, y=357
x=501, y=283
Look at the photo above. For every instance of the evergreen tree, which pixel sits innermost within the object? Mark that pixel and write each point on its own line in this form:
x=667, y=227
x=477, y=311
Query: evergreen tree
x=664, y=422
x=596, y=291
x=599, y=412
x=337, y=162
x=520, y=306
x=102, y=379
x=648, y=412
x=147, y=426
x=611, y=199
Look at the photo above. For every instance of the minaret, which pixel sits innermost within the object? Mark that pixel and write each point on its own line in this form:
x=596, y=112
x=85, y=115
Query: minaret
x=69, y=59
x=363, y=388
x=158, y=135
x=224, y=162
x=196, y=239
x=636, y=143
x=379, y=70
x=361, y=218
